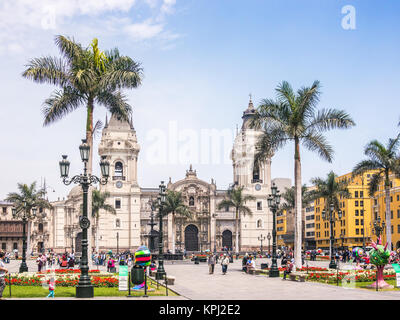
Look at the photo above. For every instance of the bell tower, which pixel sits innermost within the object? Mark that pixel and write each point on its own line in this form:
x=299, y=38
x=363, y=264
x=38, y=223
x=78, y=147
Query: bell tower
x=245, y=171
x=119, y=145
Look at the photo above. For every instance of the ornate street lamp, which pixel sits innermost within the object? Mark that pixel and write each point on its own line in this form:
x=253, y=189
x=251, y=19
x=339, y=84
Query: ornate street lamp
x=160, y=274
x=261, y=238
x=84, y=288
x=269, y=239
x=25, y=214
x=331, y=218
x=379, y=226
x=273, y=203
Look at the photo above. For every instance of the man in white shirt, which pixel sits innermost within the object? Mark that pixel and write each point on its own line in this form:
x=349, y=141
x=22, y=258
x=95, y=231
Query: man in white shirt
x=3, y=272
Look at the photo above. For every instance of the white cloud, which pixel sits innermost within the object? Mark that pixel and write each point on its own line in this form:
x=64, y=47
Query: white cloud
x=144, y=30
x=24, y=20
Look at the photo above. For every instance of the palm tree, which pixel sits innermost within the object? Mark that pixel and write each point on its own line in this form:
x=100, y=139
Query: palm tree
x=99, y=202
x=289, y=196
x=85, y=76
x=237, y=199
x=385, y=160
x=174, y=204
x=331, y=190
x=28, y=198
x=294, y=117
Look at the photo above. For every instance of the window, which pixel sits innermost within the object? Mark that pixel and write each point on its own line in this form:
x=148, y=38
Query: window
x=391, y=214
x=227, y=208
x=357, y=222
x=191, y=201
x=259, y=223
x=391, y=199
x=398, y=228
x=40, y=210
x=362, y=203
x=356, y=203
x=361, y=194
x=4, y=209
x=15, y=246
x=119, y=169
x=259, y=205
x=357, y=213
x=362, y=213
x=117, y=203
x=117, y=223
x=357, y=231
x=398, y=197
x=375, y=202
x=398, y=213
x=362, y=222
x=256, y=173
x=392, y=229
x=40, y=227
x=4, y=246
x=355, y=194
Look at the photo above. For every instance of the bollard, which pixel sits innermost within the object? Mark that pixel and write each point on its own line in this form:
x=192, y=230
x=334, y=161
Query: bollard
x=9, y=282
x=166, y=285
x=129, y=285
x=145, y=283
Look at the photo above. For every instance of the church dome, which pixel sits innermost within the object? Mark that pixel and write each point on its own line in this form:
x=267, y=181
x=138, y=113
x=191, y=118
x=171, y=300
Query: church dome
x=75, y=192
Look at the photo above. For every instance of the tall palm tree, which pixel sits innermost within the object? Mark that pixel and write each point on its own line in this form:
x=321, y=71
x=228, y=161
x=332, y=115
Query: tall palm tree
x=27, y=198
x=175, y=204
x=331, y=190
x=237, y=199
x=385, y=160
x=294, y=117
x=85, y=77
x=99, y=202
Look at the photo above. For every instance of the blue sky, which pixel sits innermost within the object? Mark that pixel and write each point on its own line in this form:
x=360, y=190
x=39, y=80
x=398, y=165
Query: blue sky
x=201, y=60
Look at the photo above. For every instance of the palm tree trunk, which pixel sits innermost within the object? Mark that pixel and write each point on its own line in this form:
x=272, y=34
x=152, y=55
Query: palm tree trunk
x=298, y=205
x=173, y=232
x=388, y=214
x=89, y=139
x=237, y=232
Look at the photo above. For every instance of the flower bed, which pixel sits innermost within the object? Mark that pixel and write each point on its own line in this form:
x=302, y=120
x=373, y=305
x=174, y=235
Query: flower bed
x=356, y=275
x=66, y=280
x=67, y=271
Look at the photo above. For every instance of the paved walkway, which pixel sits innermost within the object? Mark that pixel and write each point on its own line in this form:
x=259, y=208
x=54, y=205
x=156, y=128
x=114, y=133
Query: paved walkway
x=194, y=282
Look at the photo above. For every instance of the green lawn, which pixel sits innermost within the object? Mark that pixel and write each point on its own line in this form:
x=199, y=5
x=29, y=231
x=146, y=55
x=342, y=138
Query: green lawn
x=36, y=291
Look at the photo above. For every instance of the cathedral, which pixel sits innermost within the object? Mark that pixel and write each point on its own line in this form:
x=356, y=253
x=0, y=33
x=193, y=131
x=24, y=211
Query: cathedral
x=207, y=228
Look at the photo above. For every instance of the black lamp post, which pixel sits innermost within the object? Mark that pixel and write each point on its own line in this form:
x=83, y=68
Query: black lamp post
x=117, y=244
x=331, y=219
x=379, y=226
x=261, y=238
x=273, y=203
x=160, y=274
x=269, y=240
x=84, y=288
x=151, y=235
x=25, y=213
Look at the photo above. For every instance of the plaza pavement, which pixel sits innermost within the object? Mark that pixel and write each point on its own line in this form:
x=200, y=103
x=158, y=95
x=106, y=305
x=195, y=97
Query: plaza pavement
x=193, y=282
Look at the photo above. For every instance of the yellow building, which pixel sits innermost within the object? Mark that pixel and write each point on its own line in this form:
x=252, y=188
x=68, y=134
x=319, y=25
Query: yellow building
x=379, y=208
x=354, y=228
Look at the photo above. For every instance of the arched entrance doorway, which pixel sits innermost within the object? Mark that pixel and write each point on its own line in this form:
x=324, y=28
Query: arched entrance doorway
x=191, y=238
x=78, y=242
x=227, y=239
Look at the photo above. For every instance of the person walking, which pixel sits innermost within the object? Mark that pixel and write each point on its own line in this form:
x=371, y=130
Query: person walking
x=224, y=263
x=211, y=263
x=3, y=271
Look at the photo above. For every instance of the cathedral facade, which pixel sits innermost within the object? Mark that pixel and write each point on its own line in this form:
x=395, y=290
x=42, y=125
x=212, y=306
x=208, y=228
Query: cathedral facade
x=207, y=228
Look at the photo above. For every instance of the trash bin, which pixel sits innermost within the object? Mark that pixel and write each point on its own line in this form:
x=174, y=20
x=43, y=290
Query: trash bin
x=264, y=266
x=196, y=260
x=137, y=274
